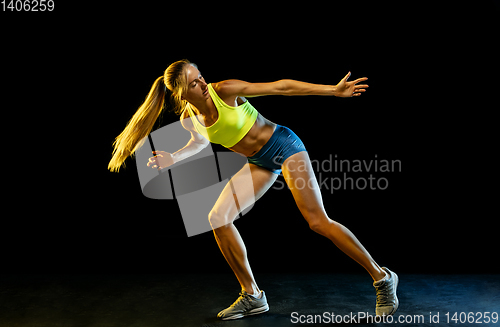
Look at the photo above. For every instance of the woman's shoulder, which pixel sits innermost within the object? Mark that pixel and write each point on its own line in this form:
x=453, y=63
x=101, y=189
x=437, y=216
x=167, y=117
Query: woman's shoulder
x=228, y=91
x=228, y=87
x=186, y=121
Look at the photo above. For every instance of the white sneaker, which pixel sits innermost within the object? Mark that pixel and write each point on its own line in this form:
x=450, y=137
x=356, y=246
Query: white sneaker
x=245, y=305
x=387, y=300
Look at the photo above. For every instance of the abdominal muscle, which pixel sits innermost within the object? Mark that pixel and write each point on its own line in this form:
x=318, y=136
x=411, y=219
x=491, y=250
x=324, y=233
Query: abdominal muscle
x=256, y=138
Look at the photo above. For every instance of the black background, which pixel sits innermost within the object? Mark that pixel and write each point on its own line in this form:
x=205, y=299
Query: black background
x=74, y=77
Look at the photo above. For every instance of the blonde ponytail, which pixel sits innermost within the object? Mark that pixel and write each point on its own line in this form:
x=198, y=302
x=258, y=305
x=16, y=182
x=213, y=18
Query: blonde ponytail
x=144, y=119
x=139, y=126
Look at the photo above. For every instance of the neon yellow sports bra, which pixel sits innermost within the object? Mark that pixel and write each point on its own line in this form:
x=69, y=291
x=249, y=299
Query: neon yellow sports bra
x=231, y=126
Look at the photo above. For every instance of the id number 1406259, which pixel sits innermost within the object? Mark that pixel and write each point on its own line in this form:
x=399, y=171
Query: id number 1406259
x=27, y=5
x=471, y=317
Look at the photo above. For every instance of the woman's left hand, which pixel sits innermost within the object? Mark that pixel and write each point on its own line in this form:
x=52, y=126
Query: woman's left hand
x=345, y=89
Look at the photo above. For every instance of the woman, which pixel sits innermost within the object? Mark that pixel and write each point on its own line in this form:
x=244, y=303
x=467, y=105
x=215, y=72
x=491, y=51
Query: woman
x=229, y=119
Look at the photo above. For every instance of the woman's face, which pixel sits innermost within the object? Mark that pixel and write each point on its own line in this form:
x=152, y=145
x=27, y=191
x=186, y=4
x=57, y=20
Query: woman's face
x=197, y=89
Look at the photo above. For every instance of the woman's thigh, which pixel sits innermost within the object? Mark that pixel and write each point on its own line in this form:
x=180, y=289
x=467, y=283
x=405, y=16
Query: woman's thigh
x=245, y=187
x=300, y=178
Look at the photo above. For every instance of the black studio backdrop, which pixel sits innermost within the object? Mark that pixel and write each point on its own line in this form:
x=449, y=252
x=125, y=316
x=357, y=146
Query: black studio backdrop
x=426, y=220
x=403, y=226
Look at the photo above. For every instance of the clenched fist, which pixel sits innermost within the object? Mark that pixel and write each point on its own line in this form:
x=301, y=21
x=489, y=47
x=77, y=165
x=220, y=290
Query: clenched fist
x=161, y=160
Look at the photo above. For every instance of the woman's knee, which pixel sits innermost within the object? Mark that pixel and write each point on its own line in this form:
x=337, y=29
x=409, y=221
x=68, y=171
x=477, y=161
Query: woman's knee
x=218, y=219
x=320, y=223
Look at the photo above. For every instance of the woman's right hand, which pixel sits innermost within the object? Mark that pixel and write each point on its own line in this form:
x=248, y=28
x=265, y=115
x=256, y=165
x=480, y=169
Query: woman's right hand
x=161, y=160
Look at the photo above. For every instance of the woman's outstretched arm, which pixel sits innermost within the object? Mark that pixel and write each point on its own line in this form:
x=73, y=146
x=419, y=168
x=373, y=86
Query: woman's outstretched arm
x=290, y=87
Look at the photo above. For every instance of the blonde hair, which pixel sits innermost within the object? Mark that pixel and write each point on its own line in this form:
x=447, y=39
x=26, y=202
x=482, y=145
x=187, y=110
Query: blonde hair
x=175, y=82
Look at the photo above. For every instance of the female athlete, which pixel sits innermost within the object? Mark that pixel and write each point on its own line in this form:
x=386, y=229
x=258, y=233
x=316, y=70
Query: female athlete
x=220, y=113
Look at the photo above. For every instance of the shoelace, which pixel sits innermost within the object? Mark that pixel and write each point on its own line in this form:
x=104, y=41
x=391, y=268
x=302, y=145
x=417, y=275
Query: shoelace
x=242, y=300
x=382, y=293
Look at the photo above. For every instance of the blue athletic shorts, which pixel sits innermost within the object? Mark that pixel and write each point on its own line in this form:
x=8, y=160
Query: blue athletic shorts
x=283, y=144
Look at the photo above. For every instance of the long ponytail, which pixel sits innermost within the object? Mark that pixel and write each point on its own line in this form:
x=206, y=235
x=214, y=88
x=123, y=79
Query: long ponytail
x=139, y=126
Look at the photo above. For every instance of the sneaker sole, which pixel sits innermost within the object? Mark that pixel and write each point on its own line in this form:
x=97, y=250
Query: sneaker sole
x=252, y=312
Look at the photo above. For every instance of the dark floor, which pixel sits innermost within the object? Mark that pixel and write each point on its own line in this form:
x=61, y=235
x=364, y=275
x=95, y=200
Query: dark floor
x=195, y=299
